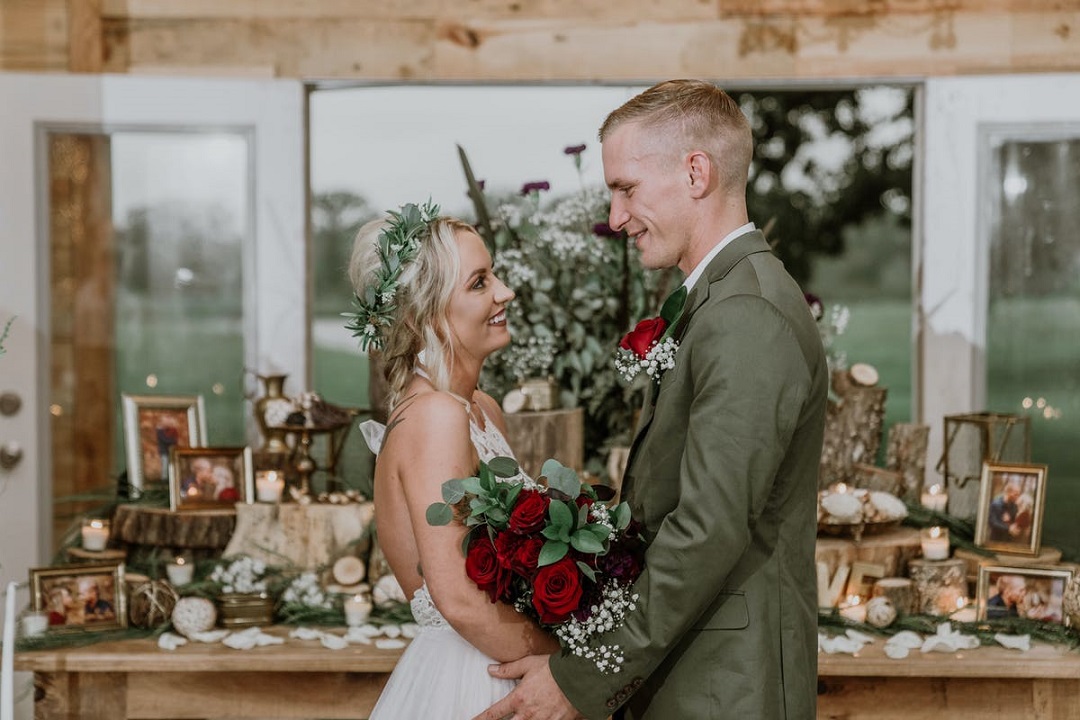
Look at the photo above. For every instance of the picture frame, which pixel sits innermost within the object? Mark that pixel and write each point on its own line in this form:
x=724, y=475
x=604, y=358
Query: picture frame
x=1035, y=593
x=153, y=425
x=209, y=478
x=80, y=598
x=1009, y=515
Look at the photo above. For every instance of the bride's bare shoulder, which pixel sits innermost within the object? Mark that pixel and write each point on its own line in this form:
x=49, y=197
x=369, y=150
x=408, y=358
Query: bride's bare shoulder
x=427, y=415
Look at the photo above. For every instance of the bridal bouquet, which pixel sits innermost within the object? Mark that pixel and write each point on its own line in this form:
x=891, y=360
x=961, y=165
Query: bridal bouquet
x=553, y=552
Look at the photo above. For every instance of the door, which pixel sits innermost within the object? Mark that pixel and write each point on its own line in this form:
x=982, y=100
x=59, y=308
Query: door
x=1000, y=300
x=127, y=138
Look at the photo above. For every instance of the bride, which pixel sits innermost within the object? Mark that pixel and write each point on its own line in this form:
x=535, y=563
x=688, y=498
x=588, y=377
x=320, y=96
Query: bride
x=427, y=297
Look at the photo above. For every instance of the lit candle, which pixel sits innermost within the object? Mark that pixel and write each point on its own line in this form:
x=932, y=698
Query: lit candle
x=7, y=664
x=269, y=486
x=34, y=623
x=180, y=571
x=935, y=498
x=935, y=543
x=854, y=609
x=357, y=609
x=95, y=534
x=839, y=488
x=964, y=613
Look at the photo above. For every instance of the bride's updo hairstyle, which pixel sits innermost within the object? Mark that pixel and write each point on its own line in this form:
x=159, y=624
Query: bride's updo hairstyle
x=424, y=288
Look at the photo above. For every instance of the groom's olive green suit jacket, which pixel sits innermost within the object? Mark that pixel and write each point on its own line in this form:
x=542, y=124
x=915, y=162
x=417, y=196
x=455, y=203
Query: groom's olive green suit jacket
x=723, y=474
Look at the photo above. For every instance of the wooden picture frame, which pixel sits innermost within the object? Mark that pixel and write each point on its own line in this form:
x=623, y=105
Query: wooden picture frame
x=79, y=598
x=1010, y=511
x=153, y=425
x=208, y=478
x=1025, y=592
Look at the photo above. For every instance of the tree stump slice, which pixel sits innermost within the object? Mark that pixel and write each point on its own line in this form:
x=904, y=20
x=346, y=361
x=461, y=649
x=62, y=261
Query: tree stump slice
x=905, y=452
x=536, y=436
x=95, y=557
x=160, y=527
x=893, y=550
x=308, y=536
x=852, y=429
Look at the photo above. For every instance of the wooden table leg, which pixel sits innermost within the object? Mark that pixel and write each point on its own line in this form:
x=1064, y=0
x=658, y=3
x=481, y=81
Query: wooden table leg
x=80, y=696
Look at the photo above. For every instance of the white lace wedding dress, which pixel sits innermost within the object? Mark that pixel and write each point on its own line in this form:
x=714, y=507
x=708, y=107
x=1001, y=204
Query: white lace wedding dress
x=440, y=676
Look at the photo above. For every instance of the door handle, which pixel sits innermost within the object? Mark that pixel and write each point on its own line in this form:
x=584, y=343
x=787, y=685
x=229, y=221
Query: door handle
x=10, y=455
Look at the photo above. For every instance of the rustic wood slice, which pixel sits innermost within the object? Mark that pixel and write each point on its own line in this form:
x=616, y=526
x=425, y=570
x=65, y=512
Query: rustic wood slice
x=892, y=549
x=309, y=536
x=899, y=590
x=537, y=436
x=852, y=429
x=905, y=453
x=864, y=375
x=939, y=585
x=349, y=570
x=109, y=555
x=140, y=525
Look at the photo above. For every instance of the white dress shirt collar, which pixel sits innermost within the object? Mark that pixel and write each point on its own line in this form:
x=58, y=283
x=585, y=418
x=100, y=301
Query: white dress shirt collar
x=696, y=274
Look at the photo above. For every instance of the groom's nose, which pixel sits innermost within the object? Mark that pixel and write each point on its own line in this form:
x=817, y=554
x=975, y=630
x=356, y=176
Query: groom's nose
x=618, y=216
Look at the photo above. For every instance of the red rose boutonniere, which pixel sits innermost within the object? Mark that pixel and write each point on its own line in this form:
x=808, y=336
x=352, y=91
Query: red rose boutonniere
x=648, y=346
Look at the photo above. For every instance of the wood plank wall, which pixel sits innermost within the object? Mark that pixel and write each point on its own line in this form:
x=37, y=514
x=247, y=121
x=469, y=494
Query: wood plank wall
x=526, y=40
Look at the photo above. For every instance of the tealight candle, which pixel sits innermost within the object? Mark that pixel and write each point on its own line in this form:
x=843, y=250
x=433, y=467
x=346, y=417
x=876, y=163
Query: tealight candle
x=854, y=609
x=180, y=571
x=935, y=498
x=95, y=534
x=268, y=486
x=357, y=609
x=34, y=623
x=935, y=543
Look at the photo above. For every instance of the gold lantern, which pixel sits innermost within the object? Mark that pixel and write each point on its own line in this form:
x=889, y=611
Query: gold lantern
x=972, y=439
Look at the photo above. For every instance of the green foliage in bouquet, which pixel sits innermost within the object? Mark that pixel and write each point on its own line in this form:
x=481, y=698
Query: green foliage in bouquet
x=580, y=286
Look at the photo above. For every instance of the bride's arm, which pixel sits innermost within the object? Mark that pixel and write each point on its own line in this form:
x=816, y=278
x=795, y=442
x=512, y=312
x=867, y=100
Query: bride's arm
x=432, y=440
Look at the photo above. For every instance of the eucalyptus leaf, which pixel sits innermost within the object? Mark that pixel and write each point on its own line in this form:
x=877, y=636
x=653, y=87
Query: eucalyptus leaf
x=453, y=491
x=472, y=486
x=439, y=514
x=586, y=542
x=552, y=552
x=552, y=532
x=565, y=480
x=586, y=571
x=561, y=515
x=622, y=516
x=504, y=467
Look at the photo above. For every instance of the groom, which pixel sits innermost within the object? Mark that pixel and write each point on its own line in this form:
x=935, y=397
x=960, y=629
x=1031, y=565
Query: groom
x=723, y=470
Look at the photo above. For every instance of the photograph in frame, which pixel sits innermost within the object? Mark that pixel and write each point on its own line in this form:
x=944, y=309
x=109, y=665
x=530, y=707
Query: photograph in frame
x=208, y=478
x=80, y=597
x=1010, y=510
x=153, y=425
x=1023, y=592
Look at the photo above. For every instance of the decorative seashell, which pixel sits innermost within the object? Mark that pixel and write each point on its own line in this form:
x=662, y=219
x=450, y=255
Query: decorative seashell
x=389, y=644
x=392, y=631
x=843, y=507
x=193, y=615
x=880, y=612
x=890, y=506
x=896, y=651
x=387, y=591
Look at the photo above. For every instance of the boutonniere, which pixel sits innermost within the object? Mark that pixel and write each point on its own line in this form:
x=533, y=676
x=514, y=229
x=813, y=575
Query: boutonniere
x=649, y=347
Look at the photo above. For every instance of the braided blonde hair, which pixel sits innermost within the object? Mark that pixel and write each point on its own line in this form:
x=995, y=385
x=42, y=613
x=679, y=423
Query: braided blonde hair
x=422, y=298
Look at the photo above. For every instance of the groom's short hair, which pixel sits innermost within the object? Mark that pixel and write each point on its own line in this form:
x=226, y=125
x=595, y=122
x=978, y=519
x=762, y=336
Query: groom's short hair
x=701, y=115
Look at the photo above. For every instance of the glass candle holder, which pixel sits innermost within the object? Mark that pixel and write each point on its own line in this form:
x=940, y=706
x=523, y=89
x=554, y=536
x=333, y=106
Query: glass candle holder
x=935, y=543
x=935, y=498
x=95, y=534
x=269, y=485
x=180, y=571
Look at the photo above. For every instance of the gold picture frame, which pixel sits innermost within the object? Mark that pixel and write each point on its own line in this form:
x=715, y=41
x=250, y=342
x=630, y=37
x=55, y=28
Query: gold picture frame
x=209, y=478
x=78, y=598
x=153, y=425
x=1009, y=515
x=1033, y=593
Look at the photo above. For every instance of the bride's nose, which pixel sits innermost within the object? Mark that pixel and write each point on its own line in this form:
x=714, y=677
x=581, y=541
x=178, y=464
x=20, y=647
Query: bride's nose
x=503, y=294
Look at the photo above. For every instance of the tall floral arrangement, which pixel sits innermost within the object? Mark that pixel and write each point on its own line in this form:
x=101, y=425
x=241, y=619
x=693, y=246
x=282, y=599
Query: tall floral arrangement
x=579, y=287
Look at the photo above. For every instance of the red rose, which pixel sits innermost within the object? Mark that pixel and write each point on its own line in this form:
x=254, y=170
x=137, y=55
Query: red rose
x=641, y=338
x=482, y=567
x=526, y=556
x=557, y=591
x=529, y=511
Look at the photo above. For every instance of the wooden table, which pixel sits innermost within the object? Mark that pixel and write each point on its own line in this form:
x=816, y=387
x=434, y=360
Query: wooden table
x=988, y=683
x=136, y=679
x=301, y=679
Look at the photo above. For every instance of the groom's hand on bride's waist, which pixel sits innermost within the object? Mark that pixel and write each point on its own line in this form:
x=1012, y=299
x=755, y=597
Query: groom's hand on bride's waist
x=536, y=697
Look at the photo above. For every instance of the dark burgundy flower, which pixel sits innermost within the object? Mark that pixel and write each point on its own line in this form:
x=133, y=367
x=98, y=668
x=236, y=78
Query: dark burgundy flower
x=817, y=308
x=483, y=568
x=621, y=565
x=506, y=544
x=604, y=230
x=526, y=558
x=535, y=187
x=574, y=149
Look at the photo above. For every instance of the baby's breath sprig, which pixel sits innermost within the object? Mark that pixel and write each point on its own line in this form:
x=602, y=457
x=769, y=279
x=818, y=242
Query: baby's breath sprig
x=399, y=243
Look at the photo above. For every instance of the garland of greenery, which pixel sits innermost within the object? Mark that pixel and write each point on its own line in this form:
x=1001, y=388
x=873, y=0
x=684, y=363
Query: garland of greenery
x=961, y=532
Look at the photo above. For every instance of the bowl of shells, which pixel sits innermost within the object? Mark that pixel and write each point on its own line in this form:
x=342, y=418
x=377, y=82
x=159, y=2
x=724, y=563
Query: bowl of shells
x=847, y=511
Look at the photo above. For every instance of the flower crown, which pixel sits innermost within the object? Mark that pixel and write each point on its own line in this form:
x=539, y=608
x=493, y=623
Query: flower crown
x=399, y=243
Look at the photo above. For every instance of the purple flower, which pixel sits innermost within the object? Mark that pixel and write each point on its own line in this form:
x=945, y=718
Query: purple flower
x=817, y=308
x=574, y=149
x=604, y=230
x=480, y=184
x=535, y=187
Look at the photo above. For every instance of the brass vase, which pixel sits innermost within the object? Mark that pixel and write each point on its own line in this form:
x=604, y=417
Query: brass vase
x=273, y=403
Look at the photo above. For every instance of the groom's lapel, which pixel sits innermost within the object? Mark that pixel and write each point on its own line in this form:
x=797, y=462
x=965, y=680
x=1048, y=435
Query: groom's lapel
x=742, y=246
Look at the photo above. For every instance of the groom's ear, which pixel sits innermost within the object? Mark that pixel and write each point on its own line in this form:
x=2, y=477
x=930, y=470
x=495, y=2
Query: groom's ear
x=699, y=173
